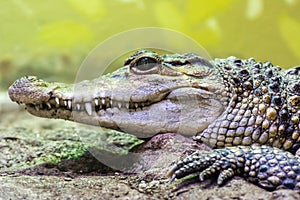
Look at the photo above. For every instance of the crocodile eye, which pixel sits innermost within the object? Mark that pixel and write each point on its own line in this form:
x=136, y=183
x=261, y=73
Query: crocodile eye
x=145, y=63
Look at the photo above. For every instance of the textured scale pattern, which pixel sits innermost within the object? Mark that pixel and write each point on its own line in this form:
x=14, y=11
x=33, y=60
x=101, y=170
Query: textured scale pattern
x=270, y=168
x=264, y=106
x=264, y=109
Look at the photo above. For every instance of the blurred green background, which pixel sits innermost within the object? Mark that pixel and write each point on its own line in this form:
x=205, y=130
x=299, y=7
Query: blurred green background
x=50, y=38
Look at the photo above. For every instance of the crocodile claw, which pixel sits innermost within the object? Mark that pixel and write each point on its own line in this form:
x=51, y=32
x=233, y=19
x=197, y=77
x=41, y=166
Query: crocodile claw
x=268, y=167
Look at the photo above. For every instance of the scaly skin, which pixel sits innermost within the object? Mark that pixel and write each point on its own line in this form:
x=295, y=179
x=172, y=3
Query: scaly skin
x=228, y=103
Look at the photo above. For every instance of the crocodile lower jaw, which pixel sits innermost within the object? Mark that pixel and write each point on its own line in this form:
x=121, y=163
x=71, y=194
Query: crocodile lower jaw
x=174, y=113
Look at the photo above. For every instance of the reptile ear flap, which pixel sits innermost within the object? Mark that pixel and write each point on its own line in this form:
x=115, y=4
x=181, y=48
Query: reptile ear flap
x=201, y=62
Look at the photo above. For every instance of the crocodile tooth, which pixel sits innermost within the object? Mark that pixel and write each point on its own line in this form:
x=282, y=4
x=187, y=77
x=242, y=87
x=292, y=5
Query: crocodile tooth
x=65, y=102
x=69, y=104
x=88, y=108
x=48, y=104
x=127, y=105
x=78, y=106
x=119, y=104
x=57, y=100
x=102, y=101
x=110, y=102
x=37, y=107
x=136, y=105
x=96, y=101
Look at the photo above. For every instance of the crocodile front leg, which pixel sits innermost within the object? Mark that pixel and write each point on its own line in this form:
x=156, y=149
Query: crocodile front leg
x=268, y=167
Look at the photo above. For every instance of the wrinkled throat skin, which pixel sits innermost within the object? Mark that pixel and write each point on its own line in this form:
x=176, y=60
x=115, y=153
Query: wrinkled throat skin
x=150, y=94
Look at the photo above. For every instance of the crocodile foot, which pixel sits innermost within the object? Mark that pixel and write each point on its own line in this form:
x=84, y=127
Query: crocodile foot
x=268, y=167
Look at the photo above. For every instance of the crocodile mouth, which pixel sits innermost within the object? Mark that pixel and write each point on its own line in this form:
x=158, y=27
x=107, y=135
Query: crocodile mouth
x=96, y=105
x=132, y=108
x=138, y=117
x=41, y=97
x=99, y=105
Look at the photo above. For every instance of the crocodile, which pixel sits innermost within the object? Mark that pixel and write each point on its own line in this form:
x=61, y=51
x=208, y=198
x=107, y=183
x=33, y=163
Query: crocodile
x=247, y=111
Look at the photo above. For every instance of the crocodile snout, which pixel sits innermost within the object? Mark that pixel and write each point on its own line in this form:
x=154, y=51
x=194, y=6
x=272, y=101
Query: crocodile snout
x=29, y=89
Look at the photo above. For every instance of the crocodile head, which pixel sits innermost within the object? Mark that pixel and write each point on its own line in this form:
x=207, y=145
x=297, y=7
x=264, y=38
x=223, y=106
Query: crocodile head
x=150, y=94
